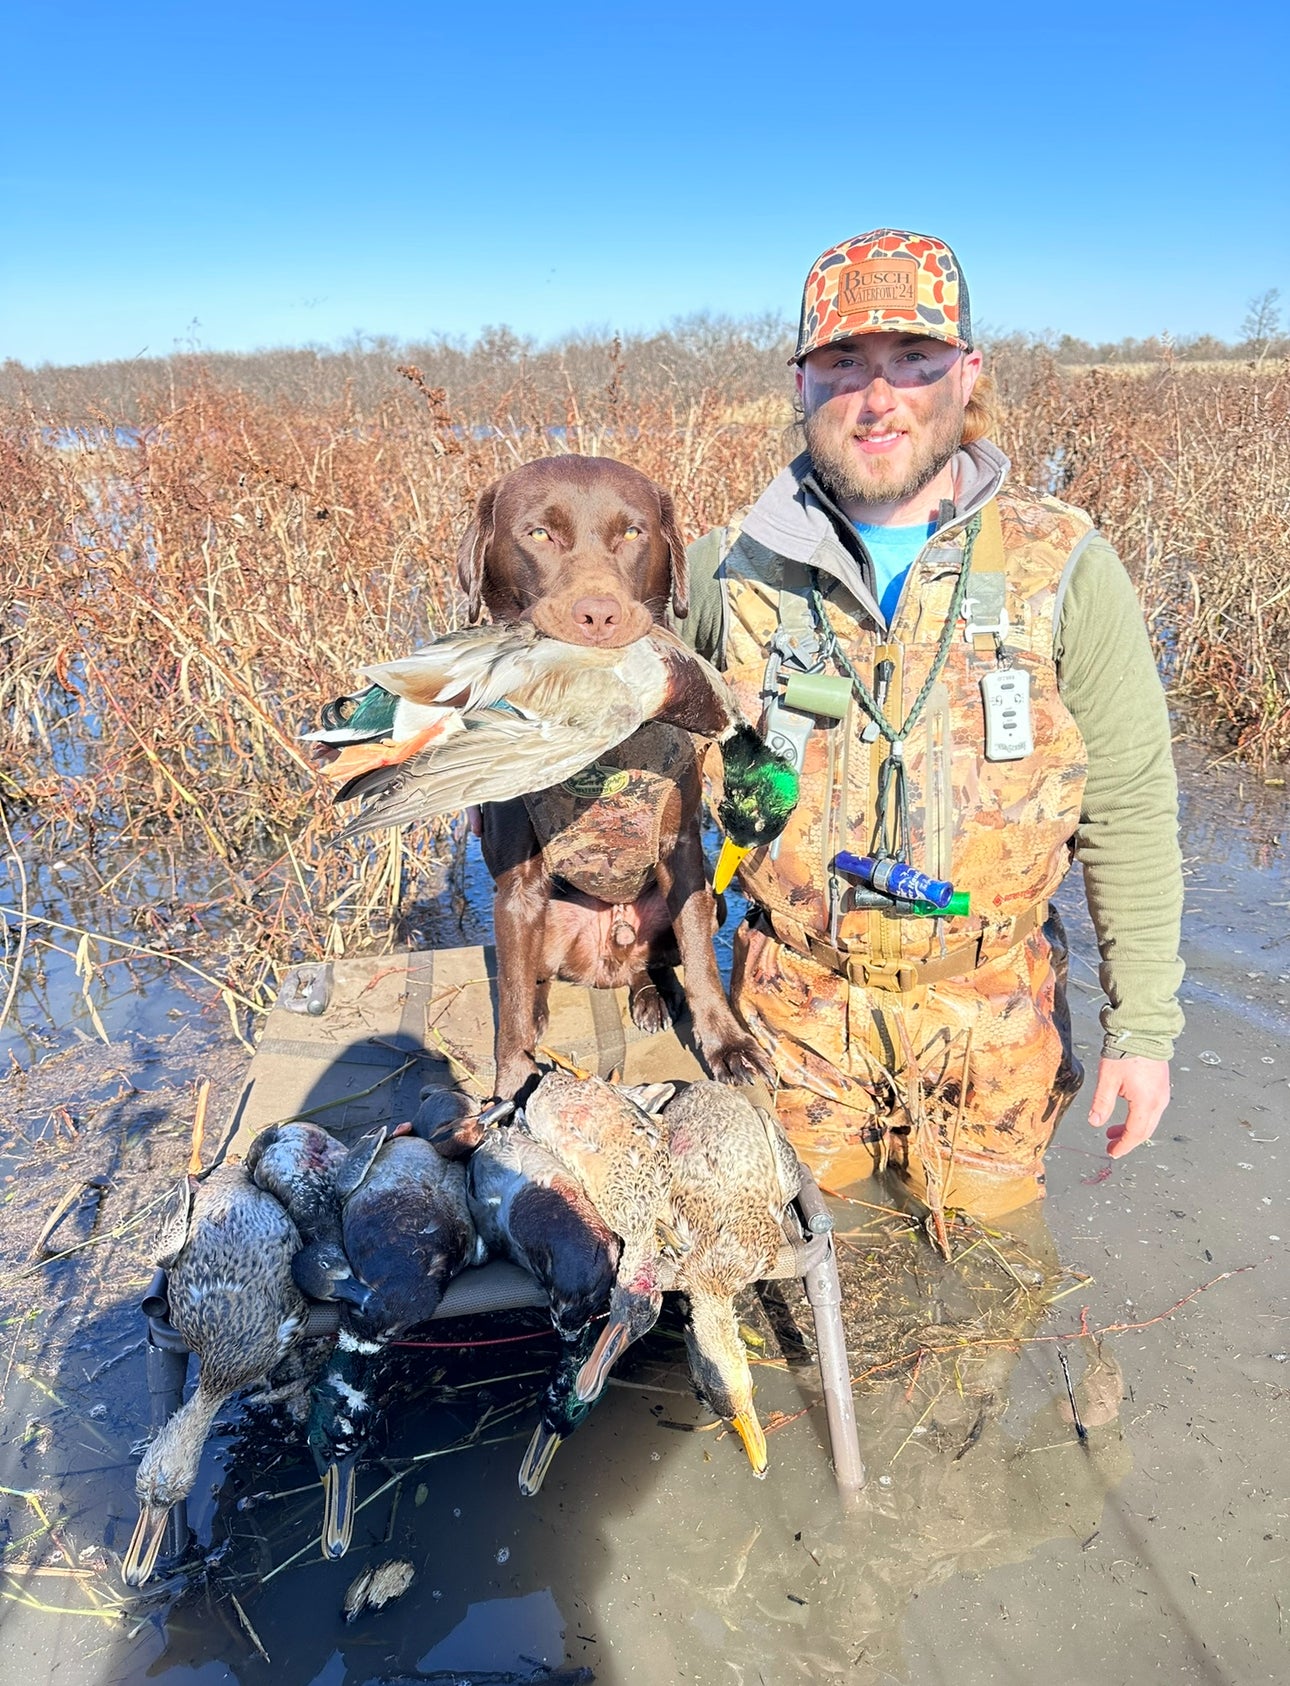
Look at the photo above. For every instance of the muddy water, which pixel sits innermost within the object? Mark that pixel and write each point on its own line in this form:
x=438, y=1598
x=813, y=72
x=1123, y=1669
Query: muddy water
x=991, y=1544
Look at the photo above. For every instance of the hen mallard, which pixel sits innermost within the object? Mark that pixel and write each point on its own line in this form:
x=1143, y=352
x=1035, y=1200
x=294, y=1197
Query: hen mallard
x=615, y=1148
x=493, y=712
x=299, y=1164
x=407, y=1232
x=530, y=1209
x=734, y=1175
x=227, y=1246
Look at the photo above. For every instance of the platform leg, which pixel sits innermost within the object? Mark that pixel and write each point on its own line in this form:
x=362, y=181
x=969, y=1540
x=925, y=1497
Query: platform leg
x=824, y=1291
x=167, y=1371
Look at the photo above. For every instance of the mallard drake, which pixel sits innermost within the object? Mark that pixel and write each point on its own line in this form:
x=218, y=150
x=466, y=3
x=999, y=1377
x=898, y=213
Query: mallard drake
x=407, y=1232
x=611, y=1144
x=530, y=1209
x=504, y=710
x=299, y=1163
x=733, y=1177
x=227, y=1246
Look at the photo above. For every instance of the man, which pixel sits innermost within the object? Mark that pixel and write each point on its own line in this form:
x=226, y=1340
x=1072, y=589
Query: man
x=963, y=673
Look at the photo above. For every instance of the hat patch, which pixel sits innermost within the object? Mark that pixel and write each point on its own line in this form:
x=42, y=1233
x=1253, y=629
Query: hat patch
x=885, y=283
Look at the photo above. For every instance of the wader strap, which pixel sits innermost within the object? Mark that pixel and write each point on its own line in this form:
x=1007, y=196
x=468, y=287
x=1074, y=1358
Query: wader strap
x=795, y=615
x=985, y=608
x=872, y=972
x=611, y=1033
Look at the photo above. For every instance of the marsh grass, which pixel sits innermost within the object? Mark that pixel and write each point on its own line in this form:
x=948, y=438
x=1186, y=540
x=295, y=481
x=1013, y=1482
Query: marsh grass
x=178, y=598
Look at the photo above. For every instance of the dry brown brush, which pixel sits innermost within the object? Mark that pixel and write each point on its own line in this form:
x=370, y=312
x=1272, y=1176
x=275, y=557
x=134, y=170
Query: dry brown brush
x=177, y=599
x=181, y=597
x=1188, y=472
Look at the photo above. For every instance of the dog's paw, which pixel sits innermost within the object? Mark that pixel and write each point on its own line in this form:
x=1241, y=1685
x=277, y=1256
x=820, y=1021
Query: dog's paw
x=650, y=1012
x=517, y=1076
x=739, y=1060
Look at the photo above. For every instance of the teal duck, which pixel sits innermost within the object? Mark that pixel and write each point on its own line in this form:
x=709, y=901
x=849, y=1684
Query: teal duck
x=504, y=710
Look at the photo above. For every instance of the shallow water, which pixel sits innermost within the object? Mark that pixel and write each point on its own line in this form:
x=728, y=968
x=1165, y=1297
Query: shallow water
x=990, y=1545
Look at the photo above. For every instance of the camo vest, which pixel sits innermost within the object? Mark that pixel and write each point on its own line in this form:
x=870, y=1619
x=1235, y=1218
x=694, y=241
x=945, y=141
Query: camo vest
x=998, y=829
x=600, y=829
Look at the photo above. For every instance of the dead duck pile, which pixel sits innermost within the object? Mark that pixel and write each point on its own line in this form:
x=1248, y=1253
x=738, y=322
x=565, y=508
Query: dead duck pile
x=609, y=1196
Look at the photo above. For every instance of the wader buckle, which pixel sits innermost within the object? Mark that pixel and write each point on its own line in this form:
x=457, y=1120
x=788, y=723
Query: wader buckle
x=899, y=976
x=985, y=609
x=802, y=652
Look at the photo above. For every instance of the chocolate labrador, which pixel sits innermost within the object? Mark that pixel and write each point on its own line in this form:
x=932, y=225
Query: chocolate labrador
x=589, y=551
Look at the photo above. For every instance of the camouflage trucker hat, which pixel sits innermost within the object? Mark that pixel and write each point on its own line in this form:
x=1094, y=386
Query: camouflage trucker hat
x=880, y=282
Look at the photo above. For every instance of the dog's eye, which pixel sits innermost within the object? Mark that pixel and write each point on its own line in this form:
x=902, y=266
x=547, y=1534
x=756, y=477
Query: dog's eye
x=541, y=534
x=632, y=533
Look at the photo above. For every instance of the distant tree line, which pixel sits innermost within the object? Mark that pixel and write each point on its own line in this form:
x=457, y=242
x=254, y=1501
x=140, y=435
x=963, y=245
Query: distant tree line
x=1260, y=337
x=503, y=375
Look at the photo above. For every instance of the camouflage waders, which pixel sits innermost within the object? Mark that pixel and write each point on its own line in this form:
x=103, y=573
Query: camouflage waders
x=938, y=1046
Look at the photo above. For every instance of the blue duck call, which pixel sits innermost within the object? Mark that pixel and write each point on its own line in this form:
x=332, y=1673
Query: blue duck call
x=896, y=878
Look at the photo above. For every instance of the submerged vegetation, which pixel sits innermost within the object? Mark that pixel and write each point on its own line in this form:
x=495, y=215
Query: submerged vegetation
x=198, y=554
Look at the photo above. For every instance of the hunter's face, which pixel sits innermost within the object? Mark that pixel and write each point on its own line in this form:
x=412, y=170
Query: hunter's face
x=884, y=413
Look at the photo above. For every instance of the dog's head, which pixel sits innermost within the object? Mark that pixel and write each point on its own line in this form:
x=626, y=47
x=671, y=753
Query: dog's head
x=584, y=547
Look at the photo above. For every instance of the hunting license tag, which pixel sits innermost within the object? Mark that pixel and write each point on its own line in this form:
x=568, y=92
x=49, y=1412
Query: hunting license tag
x=1006, y=694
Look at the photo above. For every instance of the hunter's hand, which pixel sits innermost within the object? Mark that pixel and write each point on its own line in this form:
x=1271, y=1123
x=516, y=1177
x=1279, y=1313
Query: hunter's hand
x=1145, y=1086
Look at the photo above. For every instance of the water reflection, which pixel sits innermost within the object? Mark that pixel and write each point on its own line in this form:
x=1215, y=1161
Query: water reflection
x=502, y=1633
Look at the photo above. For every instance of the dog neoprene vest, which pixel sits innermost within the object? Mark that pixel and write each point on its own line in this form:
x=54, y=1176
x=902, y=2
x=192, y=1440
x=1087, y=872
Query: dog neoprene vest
x=600, y=829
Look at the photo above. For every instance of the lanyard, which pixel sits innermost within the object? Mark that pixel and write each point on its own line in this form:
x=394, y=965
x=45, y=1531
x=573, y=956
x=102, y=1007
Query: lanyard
x=891, y=826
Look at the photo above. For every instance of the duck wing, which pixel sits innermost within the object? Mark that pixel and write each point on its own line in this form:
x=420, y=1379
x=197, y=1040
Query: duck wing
x=358, y=1161
x=492, y=756
x=650, y=1097
x=355, y=719
x=477, y=666
x=174, y=1223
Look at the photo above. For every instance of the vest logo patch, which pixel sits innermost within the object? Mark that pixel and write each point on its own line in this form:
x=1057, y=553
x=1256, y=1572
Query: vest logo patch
x=597, y=781
x=878, y=283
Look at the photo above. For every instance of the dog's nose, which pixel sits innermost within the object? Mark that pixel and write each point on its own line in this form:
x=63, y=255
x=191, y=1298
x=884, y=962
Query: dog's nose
x=597, y=617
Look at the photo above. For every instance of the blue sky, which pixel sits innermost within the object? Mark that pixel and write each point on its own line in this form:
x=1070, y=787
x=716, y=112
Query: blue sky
x=283, y=173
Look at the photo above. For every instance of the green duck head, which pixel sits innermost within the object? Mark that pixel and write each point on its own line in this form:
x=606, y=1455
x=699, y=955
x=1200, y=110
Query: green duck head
x=761, y=791
x=562, y=1411
x=367, y=714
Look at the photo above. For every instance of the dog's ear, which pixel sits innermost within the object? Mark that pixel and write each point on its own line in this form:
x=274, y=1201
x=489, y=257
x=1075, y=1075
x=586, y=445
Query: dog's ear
x=676, y=553
x=472, y=552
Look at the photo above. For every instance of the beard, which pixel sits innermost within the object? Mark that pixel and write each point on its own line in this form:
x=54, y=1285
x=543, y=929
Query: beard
x=850, y=478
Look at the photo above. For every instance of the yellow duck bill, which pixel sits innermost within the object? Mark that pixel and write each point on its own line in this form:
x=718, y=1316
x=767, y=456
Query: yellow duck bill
x=749, y=1430
x=728, y=863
